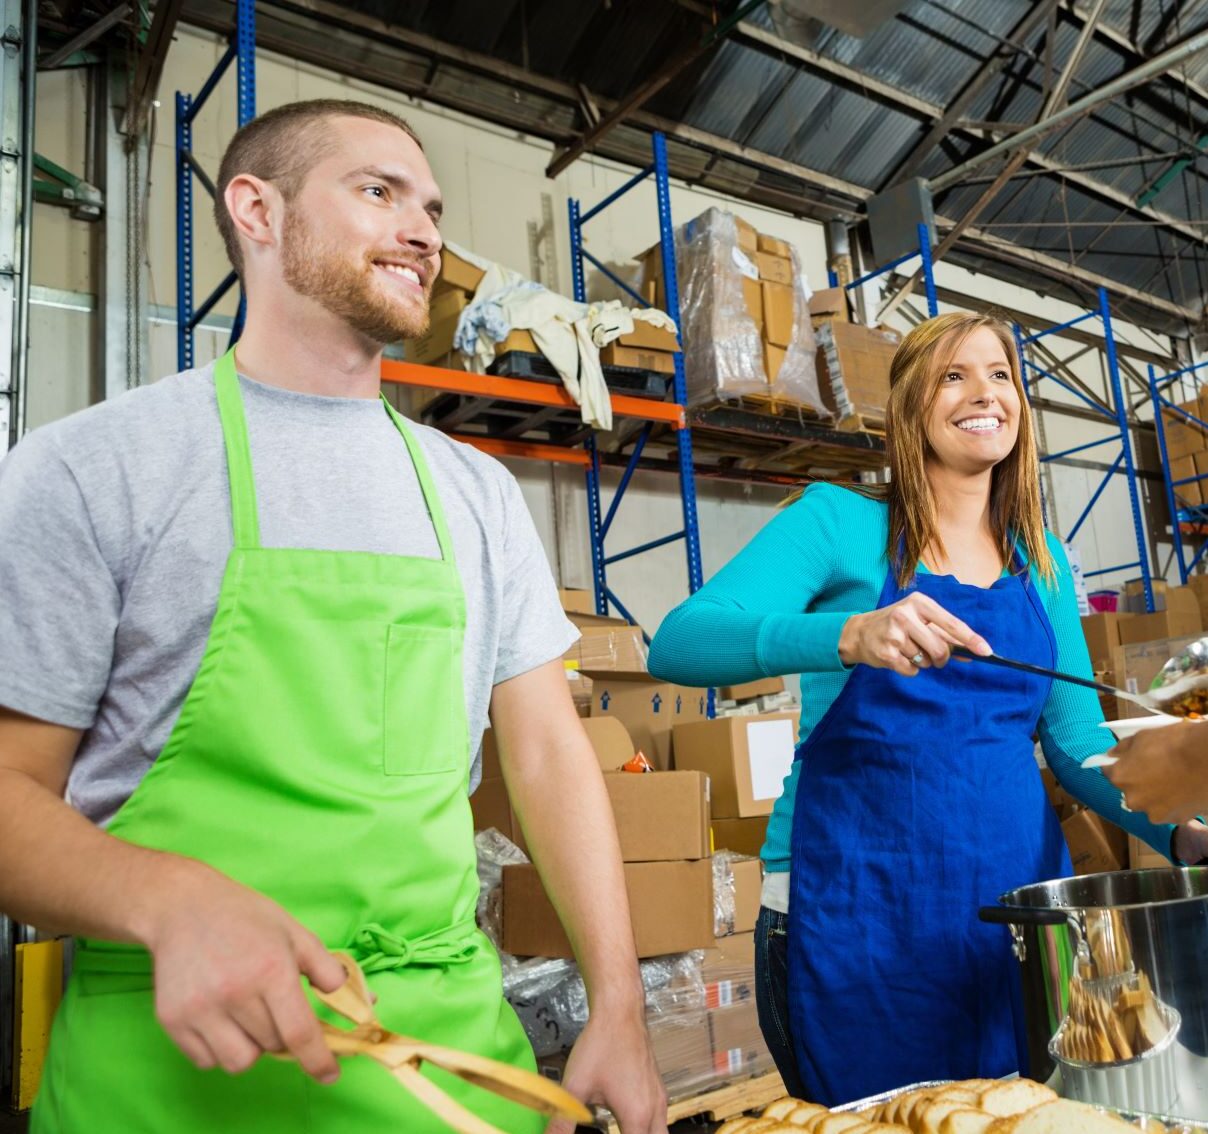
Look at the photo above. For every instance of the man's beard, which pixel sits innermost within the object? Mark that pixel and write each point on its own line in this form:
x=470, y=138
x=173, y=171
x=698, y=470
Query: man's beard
x=345, y=288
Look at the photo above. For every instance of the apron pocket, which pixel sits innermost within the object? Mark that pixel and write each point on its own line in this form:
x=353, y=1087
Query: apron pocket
x=425, y=717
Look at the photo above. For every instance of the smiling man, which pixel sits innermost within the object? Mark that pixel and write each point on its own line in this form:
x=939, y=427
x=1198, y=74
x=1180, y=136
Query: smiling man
x=254, y=622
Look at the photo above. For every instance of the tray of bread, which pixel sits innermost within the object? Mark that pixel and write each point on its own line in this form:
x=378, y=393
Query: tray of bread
x=968, y=1106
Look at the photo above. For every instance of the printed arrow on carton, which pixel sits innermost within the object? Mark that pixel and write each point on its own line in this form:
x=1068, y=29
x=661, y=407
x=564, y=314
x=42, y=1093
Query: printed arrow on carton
x=604, y=699
x=657, y=702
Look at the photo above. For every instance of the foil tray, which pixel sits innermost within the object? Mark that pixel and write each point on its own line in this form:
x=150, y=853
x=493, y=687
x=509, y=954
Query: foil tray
x=1173, y=1125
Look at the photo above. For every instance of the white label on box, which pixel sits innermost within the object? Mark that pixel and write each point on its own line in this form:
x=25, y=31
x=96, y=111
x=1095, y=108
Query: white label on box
x=770, y=747
x=743, y=263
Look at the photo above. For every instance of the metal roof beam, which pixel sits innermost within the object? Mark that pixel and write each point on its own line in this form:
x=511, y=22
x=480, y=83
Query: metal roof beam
x=326, y=50
x=760, y=39
x=968, y=94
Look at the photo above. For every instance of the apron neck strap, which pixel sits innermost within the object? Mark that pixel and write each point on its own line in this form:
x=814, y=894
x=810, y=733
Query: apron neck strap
x=244, y=519
x=423, y=473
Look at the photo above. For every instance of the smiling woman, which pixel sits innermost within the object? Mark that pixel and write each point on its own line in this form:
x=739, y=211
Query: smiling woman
x=915, y=795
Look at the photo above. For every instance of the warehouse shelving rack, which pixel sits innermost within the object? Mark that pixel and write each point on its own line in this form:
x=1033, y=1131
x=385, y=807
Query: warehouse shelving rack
x=598, y=523
x=1182, y=514
x=241, y=51
x=926, y=266
x=1116, y=414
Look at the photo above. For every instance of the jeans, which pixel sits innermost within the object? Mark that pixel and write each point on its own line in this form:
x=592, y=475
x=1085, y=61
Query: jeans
x=772, y=995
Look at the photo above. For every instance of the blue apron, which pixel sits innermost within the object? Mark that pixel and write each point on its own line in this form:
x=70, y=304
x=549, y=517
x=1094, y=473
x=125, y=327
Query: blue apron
x=919, y=801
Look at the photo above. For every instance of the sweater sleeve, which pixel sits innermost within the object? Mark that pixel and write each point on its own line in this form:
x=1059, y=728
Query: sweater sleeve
x=749, y=620
x=1069, y=724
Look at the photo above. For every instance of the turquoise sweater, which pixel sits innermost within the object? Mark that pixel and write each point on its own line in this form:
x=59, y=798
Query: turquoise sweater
x=779, y=606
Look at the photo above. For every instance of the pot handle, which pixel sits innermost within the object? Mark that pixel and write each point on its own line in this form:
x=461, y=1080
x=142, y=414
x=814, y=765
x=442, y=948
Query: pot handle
x=1023, y=915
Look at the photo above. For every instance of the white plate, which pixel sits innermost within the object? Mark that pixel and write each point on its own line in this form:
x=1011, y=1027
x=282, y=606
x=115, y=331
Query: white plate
x=1122, y=730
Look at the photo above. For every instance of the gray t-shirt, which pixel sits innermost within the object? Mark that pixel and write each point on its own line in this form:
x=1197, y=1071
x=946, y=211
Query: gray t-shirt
x=115, y=527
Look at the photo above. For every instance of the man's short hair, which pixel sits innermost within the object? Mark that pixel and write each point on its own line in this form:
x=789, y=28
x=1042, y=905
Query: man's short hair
x=282, y=146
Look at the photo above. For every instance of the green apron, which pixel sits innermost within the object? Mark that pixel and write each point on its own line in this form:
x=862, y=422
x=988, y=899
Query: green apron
x=321, y=758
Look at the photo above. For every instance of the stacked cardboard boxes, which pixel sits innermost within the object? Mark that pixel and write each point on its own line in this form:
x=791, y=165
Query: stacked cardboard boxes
x=451, y=294
x=663, y=826
x=853, y=370
x=767, y=695
x=646, y=347
x=745, y=311
x=746, y=759
x=648, y=707
x=1186, y=439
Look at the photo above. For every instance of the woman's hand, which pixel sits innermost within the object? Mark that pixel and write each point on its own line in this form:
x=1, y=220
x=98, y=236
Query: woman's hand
x=910, y=635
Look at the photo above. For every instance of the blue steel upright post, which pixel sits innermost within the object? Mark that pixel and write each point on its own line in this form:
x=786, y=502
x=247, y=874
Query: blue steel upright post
x=683, y=437
x=1164, y=458
x=579, y=287
x=933, y=304
x=241, y=51
x=184, y=232
x=1130, y=471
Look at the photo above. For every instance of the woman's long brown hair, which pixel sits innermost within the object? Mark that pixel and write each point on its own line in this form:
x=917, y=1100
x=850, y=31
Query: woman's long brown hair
x=914, y=383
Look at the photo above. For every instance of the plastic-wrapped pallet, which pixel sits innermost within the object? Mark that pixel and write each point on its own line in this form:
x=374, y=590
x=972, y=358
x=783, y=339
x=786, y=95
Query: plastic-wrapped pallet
x=725, y=355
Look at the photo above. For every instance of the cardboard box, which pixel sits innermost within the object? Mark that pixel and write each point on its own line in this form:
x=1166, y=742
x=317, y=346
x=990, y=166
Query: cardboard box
x=829, y=304
x=742, y=836
x=649, y=709
x=606, y=644
x=745, y=758
x=853, y=367
x=1199, y=588
x=1136, y=665
x=752, y=292
x=774, y=247
x=1102, y=632
x=1200, y=460
x=729, y=957
x=457, y=273
x=748, y=887
x=1096, y=846
x=616, y=355
x=517, y=340
x=777, y=269
x=748, y=690
x=748, y=237
x=437, y=341
x=773, y=360
x=1132, y=598
x=491, y=807
x=660, y=816
x=1183, y=437
x=1190, y=495
x=681, y=1044
x=778, y=313
x=670, y=904
x=738, y=1044
x=1180, y=619
x=576, y=601
x=1141, y=856
x=646, y=336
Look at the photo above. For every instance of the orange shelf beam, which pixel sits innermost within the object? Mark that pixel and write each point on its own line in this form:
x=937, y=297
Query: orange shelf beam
x=527, y=450
x=520, y=390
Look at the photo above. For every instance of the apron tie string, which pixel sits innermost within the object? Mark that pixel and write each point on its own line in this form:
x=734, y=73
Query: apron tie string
x=378, y=950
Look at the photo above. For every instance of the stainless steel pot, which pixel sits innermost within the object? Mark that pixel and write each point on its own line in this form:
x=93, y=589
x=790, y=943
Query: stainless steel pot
x=1155, y=921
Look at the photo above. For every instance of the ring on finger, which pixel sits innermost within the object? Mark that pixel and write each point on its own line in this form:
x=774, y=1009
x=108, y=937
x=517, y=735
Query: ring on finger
x=917, y=660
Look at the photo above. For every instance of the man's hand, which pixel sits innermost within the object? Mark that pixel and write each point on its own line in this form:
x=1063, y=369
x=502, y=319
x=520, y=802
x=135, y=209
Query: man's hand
x=1164, y=772
x=1190, y=843
x=228, y=963
x=612, y=1064
x=911, y=634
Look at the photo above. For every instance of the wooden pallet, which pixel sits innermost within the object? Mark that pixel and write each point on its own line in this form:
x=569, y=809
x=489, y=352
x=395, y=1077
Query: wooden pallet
x=781, y=407
x=862, y=423
x=724, y=1102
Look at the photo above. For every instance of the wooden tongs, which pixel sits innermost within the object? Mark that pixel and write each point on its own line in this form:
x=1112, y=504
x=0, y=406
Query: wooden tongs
x=402, y=1057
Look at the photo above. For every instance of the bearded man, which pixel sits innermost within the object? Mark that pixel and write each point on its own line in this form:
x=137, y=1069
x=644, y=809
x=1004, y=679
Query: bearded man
x=254, y=622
